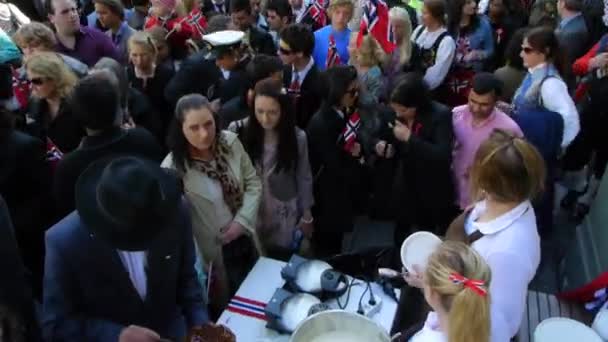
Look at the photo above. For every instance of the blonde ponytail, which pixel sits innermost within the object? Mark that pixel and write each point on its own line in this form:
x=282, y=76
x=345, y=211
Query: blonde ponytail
x=461, y=278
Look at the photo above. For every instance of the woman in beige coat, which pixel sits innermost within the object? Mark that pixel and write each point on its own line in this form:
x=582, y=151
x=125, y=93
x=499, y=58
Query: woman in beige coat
x=224, y=192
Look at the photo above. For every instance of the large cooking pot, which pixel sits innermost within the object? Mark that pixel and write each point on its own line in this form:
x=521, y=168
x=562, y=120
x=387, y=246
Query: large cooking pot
x=339, y=326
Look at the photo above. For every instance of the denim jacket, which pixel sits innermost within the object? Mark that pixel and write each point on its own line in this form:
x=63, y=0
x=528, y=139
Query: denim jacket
x=481, y=39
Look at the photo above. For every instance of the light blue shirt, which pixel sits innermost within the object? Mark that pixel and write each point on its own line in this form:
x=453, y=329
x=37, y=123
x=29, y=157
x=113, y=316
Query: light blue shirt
x=8, y=49
x=322, y=44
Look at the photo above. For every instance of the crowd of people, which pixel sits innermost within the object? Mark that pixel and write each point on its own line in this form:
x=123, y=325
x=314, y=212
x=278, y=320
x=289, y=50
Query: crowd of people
x=151, y=151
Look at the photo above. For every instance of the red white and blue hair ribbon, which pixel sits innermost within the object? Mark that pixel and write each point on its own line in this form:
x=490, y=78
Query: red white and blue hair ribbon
x=478, y=286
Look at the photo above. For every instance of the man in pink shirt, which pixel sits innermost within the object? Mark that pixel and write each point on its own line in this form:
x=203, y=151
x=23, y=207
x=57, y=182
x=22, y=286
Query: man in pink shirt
x=473, y=124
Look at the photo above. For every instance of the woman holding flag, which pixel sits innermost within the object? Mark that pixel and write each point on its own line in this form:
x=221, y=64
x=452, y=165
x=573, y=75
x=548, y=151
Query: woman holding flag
x=337, y=136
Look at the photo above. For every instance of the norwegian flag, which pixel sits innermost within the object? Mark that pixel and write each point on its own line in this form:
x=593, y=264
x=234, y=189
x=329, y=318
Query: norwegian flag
x=317, y=11
x=375, y=21
x=349, y=133
x=21, y=88
x=333, y=57
x=198, y=22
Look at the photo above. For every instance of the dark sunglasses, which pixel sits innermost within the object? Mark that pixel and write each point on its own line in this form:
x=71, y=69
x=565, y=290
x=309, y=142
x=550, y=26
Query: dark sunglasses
x=353, y=92
x=37, y=80
x=526, y=49
x=285, y=51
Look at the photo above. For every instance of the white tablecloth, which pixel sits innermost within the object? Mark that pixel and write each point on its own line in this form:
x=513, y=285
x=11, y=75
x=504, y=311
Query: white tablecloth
x=258, y=288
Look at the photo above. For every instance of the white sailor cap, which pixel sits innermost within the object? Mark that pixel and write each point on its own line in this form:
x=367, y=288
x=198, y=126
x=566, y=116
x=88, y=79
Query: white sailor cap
x=224, y=38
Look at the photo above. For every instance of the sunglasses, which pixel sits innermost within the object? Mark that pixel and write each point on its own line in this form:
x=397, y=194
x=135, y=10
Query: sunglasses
x=284, y=51
x=353, y=92
x=527, y=49
x=37, y=80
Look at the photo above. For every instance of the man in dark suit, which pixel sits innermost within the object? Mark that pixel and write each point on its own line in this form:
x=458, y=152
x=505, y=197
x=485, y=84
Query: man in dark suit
x=572, y=34
x=95, y=101
x=257, y=40
x=216, y=74
x=211, y=7
x=301, y=76
x=16, y=300
x=121, y=267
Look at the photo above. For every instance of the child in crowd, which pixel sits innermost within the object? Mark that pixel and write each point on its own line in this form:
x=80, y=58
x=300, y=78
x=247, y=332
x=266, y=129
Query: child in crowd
x=164, y=14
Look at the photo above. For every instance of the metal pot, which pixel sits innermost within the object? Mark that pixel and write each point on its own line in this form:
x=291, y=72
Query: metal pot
x=339, y=326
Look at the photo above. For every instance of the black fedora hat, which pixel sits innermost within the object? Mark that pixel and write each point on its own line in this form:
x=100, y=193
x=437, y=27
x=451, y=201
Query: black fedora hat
x=127, y=201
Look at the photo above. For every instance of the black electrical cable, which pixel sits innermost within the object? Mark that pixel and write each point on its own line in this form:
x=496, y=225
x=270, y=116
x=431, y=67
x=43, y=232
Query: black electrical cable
x=350, y=285
x=360, y=308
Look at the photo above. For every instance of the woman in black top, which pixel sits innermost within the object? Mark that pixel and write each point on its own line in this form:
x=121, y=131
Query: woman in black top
x=49, y=116
x=337, y=137
x=147, y=76
x=419, y=138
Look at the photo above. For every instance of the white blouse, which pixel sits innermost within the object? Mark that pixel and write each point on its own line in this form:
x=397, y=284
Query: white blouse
x=430, y=332
x=511, y=247
x=435, y=75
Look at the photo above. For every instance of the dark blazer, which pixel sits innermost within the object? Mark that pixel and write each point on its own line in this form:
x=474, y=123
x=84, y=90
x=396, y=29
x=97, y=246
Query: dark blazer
x=15, y=291
x=233, y=110
x=89, y=296
x=424, y=190
x=65, y=131
x=24, y=180
x=25, y=185
x=154, y=89
x=309, y=100
x=200, y=75
x=574, y=41
x=145, y=115
x=208, y=8
x=116, y=142
x=336, y=173
x=261, y=42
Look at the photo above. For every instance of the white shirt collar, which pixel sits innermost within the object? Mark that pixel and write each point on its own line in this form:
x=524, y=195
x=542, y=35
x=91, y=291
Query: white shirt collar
x=302, y=73
x=500, y=223
x=340, y=113
x=225, y=73
x=541, y=65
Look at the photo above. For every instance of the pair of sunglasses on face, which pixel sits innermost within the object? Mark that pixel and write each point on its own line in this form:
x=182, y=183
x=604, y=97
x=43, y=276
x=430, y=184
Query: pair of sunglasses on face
x=38, y=80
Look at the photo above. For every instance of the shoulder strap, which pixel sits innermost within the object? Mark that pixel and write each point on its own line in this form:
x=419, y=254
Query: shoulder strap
x=419, y=33
x=438, y=41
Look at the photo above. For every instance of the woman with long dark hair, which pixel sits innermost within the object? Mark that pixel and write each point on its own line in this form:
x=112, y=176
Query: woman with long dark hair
x=279, y=153
x=474, y=47
x=337, y=141
x=223, y=189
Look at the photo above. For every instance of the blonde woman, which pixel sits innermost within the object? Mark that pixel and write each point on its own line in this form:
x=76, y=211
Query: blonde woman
x=367, y=59
x=399, y=60
x=49, y=116
x=149, y=77
x=456, y=283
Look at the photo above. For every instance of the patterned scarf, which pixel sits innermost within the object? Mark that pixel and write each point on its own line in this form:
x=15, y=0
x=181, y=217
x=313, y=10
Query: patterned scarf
x=333, y=58
x=220, y=172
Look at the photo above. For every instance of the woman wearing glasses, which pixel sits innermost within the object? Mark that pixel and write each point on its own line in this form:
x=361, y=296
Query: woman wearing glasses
x=337, y=137
x=49, y=117
x=543, y=108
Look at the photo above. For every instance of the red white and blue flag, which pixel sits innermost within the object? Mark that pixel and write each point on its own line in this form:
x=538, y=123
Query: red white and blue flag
x=317, y=11
x=333, y=57
x=349, y=133
x=375, y=21
x=199, y=22
x=247, y=307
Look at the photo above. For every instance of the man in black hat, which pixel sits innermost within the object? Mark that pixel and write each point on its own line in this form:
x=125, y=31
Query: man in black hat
x=121, y=268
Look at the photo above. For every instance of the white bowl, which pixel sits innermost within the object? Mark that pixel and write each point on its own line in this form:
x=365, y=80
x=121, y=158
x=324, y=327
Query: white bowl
x=417, y=248
x=561, y=329
x=339, y=326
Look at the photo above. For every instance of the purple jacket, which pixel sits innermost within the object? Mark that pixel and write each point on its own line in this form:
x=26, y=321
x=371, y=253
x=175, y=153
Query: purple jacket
x=91, y=46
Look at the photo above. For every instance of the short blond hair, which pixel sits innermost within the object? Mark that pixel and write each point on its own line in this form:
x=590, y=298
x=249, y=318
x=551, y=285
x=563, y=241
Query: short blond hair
x=369, y=53
x=50, y=66
x=339, y=3
x=145, y=40
x=35, y=34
